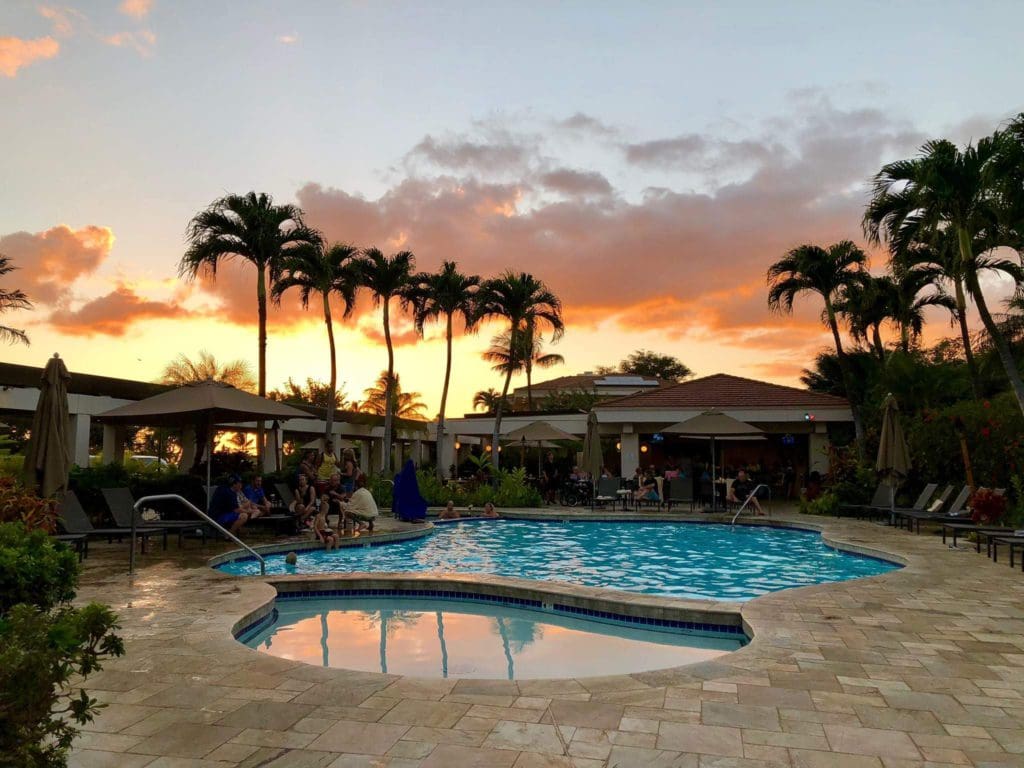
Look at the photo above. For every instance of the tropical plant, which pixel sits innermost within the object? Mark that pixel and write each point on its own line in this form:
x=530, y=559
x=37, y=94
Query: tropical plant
x=318, y=393
x=486, y=400
x=387, y=278
x=866, y=303
x=20, y=505
x=827, y=272
x=522, y=300
x=253, y=229
x=47, y=647
x=529, y=353
x=946, y=188
x=446, y=293
x=325, y=271
x=644, y=362
x=11, y=299
x=182, y=370
x=404, y=405
x=909, y=300
x=578, y=400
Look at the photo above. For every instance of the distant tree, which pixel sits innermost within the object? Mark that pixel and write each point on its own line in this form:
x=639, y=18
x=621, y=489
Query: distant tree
x=313, y=392
x=11, y=300
x=644, y=362
x=528, y=354
x=487, y=400
x=579, y=400
x=404, y=405
x=182, y=370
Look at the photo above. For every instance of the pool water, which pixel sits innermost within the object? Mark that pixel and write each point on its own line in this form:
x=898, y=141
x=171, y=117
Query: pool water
x=687, y=560
x=443, y=638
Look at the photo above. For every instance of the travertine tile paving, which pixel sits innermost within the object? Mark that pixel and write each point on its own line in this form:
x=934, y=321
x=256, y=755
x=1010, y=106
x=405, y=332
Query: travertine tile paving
x=919, y=668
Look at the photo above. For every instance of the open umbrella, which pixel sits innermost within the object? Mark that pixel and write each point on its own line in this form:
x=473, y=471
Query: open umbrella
x=714, y=424
x=893, y=462
x=593, y=458
x=537, y=431
x=47, y=458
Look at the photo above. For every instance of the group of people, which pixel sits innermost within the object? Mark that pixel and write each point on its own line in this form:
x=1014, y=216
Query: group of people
x=451, y=513
x=741, y=490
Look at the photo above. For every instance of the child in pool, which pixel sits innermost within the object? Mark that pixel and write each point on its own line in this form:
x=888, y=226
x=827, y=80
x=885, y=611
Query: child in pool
x=321, y=530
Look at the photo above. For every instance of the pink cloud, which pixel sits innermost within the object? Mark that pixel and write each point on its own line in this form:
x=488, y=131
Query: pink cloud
x=113, y=314
x=49, y=262
x=16, y=53
x=137, y=9
x=141, y=41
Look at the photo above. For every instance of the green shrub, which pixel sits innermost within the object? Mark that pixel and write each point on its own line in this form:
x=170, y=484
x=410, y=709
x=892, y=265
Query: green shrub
x=511, y=490
x=87, y=483
x=44, y=642
x=826, y=504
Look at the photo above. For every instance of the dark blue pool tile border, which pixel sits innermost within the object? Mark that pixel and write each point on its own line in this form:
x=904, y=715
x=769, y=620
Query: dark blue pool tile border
x=256, y=626
x=517, y=602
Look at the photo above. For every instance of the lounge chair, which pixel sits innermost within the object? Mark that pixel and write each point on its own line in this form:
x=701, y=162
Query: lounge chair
x=922, y=501
x=607, y=491
x=79, y=541
x=957, y=511
x=74, y=520
x=287, y=497
x=880, y=499
x=121, y=504
x=679, y=490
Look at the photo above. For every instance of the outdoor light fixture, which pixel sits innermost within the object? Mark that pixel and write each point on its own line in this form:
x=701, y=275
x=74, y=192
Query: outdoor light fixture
x=808, y=417
x=457, y=445
x=643, y=449
x=488, y=447
x=618, y=446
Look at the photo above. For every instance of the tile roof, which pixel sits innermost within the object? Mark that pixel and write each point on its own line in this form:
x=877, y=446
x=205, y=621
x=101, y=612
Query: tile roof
x=586, y=381
x=721, y=390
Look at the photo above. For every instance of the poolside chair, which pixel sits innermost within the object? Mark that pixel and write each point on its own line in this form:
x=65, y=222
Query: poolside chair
x=79, y=541
x=287, y=497
x=121, y=504
x=679, y=490
x=607, y=491
x=881, y=498
x=956, y=511
x=919, y=506
x=74, y=520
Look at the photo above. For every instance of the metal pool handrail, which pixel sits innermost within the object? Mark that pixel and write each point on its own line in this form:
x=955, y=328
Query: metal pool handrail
x=746, y=501
x=206, y=517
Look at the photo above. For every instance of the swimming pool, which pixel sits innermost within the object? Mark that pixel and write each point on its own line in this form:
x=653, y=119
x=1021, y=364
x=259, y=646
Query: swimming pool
x=458, y=638
x=688, y=560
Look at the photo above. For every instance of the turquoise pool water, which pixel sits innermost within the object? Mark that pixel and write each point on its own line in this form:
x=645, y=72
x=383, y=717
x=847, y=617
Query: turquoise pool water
x=444, y=638
x=701, y=560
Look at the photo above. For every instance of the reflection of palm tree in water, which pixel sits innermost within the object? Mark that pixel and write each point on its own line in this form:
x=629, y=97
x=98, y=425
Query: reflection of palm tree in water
x=441, y=642
x=390, y=621
x=520, y=632
x=325, y=653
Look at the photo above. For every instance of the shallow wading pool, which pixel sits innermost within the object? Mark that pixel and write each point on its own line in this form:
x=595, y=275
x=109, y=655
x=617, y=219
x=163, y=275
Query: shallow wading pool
x=685, y=560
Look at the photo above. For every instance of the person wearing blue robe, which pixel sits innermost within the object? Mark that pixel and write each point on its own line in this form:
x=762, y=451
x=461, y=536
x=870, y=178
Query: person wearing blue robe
x=408, y=505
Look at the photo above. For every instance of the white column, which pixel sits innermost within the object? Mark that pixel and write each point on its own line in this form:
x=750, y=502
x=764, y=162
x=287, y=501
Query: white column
x=417, y=452
x=629, y=455
x=399, y=458
x=78, y=438
x=113, y=444
x=817, y=450
x=366, y=456
x=273, y=458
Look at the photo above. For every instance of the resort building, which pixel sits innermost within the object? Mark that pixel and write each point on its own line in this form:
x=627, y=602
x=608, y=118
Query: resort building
x=599, y=384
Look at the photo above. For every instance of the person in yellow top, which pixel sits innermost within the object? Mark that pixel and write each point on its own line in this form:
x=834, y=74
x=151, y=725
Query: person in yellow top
x=327, y=464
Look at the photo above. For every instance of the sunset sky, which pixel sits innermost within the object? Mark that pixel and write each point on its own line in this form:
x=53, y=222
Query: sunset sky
x=648, y=161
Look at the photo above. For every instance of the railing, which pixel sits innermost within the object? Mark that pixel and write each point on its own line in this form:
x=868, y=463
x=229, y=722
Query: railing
x=206, y=517
x=753, y=494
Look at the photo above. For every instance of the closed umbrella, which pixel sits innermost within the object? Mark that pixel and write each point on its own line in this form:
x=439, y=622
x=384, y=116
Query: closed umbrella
x=893, y=462
x=593, y=458
x=48, y=459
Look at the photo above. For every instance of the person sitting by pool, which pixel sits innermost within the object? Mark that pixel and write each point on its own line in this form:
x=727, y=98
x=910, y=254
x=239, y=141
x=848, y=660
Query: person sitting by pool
x=229, y=507
x=256, y=495
x=742, y=489
x=334, y=493
x=304, y=505
x=448, y=513
x=489, y=510
x=321, y=530
x=647, y=489
x=361, y=507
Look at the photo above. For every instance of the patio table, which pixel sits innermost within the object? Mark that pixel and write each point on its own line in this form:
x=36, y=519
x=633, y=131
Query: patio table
x=1013, y=542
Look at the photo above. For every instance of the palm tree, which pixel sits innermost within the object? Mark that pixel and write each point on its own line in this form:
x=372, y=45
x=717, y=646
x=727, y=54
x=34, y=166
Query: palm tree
x=521, y=299
x=529, y=353
x=387, y=277
x=827, y=272
x=325, y=270
x=445, y=293
x=946, y=188
x=866, y=303
x=404, y=405
x=252, y=228
x=182, y=370
x=486, y=400
x=15, y=299
x=909, y=300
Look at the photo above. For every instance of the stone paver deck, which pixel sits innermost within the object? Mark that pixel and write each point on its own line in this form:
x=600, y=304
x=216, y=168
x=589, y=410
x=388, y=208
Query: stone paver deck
x=919, y=667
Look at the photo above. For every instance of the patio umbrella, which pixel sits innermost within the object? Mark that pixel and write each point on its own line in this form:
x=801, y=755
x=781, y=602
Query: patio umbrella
x=47, y=458
x=538, y=431
x=714, y=424
x=593, y=458
x=893, y=462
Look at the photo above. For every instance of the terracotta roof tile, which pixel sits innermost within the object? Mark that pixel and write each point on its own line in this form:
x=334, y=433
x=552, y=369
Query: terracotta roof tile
x=722, y=390
x=580, y=381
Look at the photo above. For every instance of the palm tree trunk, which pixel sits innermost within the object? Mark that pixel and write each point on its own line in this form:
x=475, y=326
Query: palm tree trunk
x=998, y=340
x=528, y=363
x=329, y=431
x=444, y=396
x=905, y=338
x=844, y=366
x=965, y=335
x=501, y=403
x=389, y=387
x=261, y=304
x=879, y=346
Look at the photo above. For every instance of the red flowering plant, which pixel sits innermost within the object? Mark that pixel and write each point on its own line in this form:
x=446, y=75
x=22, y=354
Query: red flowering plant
x=987, y=507
x=18, y=505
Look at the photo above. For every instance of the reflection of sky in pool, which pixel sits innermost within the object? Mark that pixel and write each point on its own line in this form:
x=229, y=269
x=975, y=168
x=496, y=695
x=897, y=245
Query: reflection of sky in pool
x=437, y=638
x=702, y=560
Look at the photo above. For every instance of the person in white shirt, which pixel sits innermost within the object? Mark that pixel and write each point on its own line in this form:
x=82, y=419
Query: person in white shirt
x=361, y=507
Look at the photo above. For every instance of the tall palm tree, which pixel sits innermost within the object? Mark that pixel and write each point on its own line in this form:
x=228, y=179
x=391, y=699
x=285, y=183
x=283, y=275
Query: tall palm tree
x=827, y=272
x=867, y=303
x=14, y=299
x=529, y=353
x=521, y=299
x=946, y=188
x=183, y=370
x=486, y=400
x=404, y=405
x=446, y=293
x=324, y=270
x=387, y=278
x=252, y=228
x=909, y=300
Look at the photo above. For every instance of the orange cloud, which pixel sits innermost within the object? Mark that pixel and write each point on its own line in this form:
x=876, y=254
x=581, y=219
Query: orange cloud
x=135, y=8
x=16, y=53
x=49, y=262
x=141, y=41
x=113, y=314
